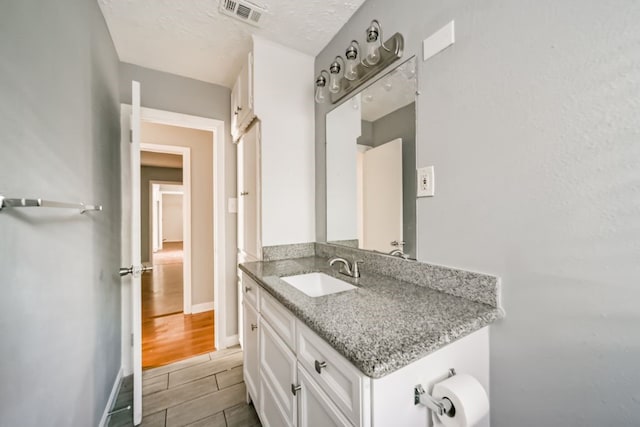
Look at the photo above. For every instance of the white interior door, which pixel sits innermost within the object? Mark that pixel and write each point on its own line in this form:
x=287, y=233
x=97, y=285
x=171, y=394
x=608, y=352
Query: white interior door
x=136, y=291
x=382, y=196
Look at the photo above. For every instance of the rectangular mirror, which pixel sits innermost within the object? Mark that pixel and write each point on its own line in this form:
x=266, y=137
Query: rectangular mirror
x=371, y=166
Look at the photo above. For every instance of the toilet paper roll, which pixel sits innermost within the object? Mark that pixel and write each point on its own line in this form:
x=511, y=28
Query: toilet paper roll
x=469, y=399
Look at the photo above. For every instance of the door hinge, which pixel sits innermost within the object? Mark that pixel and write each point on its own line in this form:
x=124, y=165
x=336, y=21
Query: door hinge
x=131, y=340
x=130, y=135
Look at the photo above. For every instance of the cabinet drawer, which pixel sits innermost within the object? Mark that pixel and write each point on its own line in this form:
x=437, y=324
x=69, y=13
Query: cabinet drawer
x=337, y=377
x=279, y=318
x=250, y=291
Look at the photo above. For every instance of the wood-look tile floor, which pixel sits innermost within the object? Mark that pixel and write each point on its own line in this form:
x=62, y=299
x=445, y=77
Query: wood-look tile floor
x=207, y=390
x=168, y=335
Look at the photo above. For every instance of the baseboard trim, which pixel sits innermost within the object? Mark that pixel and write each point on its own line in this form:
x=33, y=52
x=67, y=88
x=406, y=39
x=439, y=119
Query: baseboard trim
x=230, y=341
x=201, y=308
x=112, y=398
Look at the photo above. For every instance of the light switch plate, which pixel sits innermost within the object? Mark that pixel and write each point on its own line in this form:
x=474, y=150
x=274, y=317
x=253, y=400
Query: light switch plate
x=439, y=41
x=232, y=205
x=426, y=184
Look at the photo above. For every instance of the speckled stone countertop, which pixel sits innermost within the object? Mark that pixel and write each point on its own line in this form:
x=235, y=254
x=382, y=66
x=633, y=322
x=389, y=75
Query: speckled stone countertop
x=383, y=325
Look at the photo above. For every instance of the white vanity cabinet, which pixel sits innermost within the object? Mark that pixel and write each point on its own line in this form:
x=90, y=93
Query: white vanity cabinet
x=297, y=379
x=287, y=393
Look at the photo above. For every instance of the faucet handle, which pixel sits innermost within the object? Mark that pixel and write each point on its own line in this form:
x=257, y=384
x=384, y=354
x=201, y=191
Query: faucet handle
x=356, y=269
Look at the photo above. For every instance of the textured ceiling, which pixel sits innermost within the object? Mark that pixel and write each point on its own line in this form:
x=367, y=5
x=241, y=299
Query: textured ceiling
x=192, y=39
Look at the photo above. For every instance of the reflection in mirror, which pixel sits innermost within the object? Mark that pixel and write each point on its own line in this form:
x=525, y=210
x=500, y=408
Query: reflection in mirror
x=371, y=165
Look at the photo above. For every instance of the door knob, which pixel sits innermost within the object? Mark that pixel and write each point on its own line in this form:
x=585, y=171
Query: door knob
x=135, y=271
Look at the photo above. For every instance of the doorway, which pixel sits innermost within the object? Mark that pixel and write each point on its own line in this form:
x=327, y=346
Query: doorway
x=175, y=324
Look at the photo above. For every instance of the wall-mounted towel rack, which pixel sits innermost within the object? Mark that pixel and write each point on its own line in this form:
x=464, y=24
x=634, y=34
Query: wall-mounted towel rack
x=6, y=202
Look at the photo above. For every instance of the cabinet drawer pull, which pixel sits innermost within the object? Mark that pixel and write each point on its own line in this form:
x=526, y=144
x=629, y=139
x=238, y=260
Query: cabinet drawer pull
x=319, y=366
x=254, y=326
x=247, y=289
x=295, y=389
x=244, y=193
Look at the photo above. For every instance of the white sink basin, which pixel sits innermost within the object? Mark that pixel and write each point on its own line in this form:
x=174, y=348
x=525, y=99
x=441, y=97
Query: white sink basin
x=317, y=284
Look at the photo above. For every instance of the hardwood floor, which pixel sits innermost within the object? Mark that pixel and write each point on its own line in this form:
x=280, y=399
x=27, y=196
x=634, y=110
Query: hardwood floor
x=162, y=288
x=168, y=335
x=206, y=390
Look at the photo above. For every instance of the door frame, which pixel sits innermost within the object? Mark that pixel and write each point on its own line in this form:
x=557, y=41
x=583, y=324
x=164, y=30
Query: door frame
x=220, y=279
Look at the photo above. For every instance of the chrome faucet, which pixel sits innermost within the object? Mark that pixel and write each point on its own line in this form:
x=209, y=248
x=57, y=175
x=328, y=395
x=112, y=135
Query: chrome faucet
x=348, y=269
x=398, y=253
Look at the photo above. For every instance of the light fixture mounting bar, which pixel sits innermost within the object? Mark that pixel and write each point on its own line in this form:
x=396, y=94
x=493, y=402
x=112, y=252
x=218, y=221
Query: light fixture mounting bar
x=390, y=51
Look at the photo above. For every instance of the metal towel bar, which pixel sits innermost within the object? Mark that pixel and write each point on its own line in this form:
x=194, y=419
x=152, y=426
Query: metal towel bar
x=39, y=203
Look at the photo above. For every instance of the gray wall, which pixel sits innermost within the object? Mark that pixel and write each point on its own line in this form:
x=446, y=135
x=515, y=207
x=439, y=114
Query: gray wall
x=531, y=122
x=59, y=139
x=150, y=173
x=402, y=124
x=164, y=91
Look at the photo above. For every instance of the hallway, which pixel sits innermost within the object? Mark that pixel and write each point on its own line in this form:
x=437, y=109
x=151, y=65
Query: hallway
x=168, y=335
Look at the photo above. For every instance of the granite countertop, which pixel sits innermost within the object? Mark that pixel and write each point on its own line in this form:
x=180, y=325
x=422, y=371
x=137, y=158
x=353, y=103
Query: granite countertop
x=383, y=325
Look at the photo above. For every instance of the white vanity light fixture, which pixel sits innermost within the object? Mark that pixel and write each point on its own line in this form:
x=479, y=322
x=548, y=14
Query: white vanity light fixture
x=346, y=76
x=321, y=82
x=373, y=43
x=351, y=70
x=334, y=71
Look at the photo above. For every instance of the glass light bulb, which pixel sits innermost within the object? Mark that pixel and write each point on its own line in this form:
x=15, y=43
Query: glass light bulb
x=387, y=85
x=320, y=96
x=373, y=53
x=350, y=72
x=410, y=70
x=334, y=83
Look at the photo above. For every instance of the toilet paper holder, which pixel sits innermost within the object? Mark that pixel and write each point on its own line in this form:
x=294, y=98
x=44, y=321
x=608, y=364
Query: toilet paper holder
x=440, y=406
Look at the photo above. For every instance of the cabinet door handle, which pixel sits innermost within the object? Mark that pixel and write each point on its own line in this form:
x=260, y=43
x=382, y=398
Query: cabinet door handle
x=254, y=326
x=247, y=289
x=319, y=366
x=295, y=389
x=239, y=108
x=244, y=193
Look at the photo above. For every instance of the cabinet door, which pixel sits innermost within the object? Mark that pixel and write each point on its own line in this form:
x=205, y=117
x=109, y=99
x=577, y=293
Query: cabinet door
x=250, y=349
x=315, y=408
x=278, y=372
x=245, y=101
x=235, y=103
x=249, y=193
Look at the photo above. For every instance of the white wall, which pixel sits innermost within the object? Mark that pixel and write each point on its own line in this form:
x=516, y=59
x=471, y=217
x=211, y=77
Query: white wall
x=283, y=93
x=531, y=122
x=172, y=217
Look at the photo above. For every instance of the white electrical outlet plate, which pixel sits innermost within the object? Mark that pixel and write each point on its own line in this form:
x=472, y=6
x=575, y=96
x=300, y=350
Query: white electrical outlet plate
x=232, y=205
x=426, y=184
x=439, y=41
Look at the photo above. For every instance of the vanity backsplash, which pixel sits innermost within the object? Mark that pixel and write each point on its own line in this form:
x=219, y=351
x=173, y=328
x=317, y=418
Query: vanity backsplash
x=473, y=286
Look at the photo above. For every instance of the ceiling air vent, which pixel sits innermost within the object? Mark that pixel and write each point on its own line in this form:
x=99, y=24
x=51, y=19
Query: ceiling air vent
x=243, y=10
